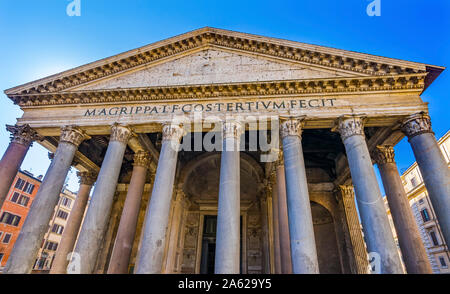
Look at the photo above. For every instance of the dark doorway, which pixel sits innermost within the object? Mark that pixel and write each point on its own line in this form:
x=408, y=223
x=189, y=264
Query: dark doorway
x=209, y=244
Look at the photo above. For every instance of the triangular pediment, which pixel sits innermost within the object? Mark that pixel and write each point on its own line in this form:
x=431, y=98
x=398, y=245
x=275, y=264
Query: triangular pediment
x=215, y=56
x=213, y=66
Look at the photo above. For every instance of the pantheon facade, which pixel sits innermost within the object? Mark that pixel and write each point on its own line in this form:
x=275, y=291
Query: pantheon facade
x=223, y=152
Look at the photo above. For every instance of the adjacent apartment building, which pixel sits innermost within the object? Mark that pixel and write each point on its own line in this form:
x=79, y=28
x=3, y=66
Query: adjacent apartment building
x=420, y=203
x=15, y=210
x=53, y=236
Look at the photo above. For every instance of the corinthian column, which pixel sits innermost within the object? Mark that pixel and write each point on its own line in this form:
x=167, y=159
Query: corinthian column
x=120, y=257
x=36, y=224
x=373, y=214
x=283, y=220
x=359, y=262
x=21, y=140
x=65, y=247
x=301, y=230
x=97, y=215
x=276, y=227
x=432, y=165
x=157, y=217
x=411, y=245
x=228, y=215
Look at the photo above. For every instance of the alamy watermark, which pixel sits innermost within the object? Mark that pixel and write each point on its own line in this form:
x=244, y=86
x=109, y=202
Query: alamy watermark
x=374, y=8
x=74, y=8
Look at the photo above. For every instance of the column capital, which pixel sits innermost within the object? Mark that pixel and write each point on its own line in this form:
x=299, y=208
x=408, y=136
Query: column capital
x=291, y=126
x=142, y=158
x=349, y=125
x=23, y=135
x=73, y=135
x=346, y=191
x=87, y=178
x=172, y=132
x=383, y=154
x=232, y=129
x=416, y=124
x=121, y=133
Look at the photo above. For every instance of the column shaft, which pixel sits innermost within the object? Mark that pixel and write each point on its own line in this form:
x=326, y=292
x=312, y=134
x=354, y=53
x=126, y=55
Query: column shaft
x=285, y=246
x=411, y=245
x=151, y=253
x=69, y=237
x=303, y=244
x=36, y=224
x=377, y=231
x=276, y=230
x=120, y=257
x=432, y=165
x=228, y=216
x=99, y=210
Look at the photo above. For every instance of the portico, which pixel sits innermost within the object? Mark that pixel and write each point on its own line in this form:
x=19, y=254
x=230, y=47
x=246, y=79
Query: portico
x=233, y=153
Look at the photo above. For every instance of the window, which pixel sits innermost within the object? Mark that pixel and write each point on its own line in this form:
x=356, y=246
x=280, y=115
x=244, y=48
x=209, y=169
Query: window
x=62, y=214
x=10, y=219
x=66, y=201
x=1, y=233
x=51, y=246
x=425, y=215
x=414, y=182
x=7, y=238
x=57, y=229
x=421, y=201
x=442, y=261
x=1, y=257
x=19, y=184
x=28, y=188
x=23, y=200
x=434, y=238
x=15, y=196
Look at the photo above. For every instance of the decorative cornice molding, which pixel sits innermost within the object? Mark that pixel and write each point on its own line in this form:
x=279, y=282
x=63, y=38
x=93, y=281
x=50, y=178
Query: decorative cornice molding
x=121, y=133
x=349, y=125
x=142, y=158
x=383, y=154
x=73, y=135
x=172, y=132
x=87, y=178
x=232, y=129
x=416, y=124
x=205, y=39
x=291, y=126
x=23, y=135
x=214, y=91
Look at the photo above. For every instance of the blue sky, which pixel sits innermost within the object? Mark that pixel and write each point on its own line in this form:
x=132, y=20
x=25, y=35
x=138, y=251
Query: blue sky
x=38, y=38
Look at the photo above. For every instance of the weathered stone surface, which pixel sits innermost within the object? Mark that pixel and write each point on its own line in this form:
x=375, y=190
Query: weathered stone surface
x=213, y=66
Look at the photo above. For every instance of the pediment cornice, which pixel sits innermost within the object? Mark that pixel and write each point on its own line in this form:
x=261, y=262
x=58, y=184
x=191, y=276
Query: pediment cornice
x=353, y=85
x=336, y=59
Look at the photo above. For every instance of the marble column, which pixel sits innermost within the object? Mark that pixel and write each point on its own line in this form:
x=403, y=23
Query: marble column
x=21, y=140
x=228, y=216
x=150, y=258
x=301, y=230
x=36, y=224
x=377, y=231
x=432, y=165
x=283, y=222
x=120, y=257
x=99, y=209
x=411, y=245
x=69, y=237
x=358, y=247
x=276, y=231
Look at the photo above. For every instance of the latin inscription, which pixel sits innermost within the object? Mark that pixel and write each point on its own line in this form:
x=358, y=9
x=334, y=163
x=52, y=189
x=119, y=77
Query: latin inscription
x=266, y=105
